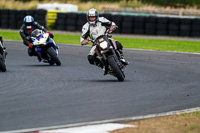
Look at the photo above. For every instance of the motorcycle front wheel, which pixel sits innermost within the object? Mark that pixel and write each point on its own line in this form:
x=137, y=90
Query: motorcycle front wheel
x=51, y=52
x=116, y=69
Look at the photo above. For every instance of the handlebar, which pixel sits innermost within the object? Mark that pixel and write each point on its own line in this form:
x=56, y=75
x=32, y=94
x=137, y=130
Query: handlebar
x=92, y=41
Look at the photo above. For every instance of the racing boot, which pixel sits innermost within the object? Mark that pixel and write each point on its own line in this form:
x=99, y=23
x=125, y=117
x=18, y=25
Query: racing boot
x=106, y=70
x=31, y=52
x=124, y=61
x=39, y=58
x=122, y=58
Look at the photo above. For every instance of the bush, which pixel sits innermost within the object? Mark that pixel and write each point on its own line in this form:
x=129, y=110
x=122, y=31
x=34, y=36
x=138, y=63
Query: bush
x=27, y=0
x=100, y=0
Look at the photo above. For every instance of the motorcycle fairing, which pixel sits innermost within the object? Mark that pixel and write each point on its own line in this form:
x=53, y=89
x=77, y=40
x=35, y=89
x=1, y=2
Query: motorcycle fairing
x=54, y=45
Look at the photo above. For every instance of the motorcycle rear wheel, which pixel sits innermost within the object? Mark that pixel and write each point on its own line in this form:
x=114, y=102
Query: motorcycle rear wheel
x=116, y=69
x=53, y=56
x=2, y=66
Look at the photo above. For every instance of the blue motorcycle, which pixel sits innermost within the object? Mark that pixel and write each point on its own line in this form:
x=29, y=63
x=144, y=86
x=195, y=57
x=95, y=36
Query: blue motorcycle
x=45, y=47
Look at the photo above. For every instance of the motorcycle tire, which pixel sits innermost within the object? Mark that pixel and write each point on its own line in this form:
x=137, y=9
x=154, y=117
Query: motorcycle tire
x=116, y=69
x=51, y=52
x=2, y=66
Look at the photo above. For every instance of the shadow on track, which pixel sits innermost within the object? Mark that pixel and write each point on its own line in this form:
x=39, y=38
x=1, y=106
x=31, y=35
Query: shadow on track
x=109, y=80
x=40, y=65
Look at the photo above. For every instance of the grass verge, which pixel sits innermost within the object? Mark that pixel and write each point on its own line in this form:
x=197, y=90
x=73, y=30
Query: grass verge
x=184, y=123
x=152, y=44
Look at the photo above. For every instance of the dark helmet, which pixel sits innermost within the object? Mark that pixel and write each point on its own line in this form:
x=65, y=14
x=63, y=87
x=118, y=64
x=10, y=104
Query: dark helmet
x=28, y=21
x=92, y=16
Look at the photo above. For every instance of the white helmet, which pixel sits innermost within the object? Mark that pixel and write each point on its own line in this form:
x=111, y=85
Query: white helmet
x=28, y=21
x=92, y=16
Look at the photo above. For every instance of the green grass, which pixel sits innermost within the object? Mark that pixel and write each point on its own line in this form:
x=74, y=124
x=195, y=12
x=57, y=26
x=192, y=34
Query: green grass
x=197, y=114
x=153, y=44
x=166, y=45
x=10, y=35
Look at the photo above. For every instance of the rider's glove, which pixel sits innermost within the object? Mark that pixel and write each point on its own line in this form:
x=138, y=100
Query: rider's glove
x=30, y=45
x=50, y=34
x=113, y=27
x=85, y=42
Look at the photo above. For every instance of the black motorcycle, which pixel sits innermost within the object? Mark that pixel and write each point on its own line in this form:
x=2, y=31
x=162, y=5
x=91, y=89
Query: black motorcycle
x=2, y=58
x=106, y=50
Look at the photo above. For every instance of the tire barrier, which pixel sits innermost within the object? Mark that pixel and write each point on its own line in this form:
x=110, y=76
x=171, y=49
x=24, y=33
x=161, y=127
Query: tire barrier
x=129, y=24
x=13, y=19
x=51, y=17
x=118, y=21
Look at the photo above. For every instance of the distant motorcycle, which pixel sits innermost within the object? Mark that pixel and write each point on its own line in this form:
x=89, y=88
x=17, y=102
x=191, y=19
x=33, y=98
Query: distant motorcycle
x=45, y=47
x=109, y=55
x=2, y=58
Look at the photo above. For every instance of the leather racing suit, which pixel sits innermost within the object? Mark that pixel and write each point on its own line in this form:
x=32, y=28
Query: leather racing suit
x=26, y=36
x=102, y=26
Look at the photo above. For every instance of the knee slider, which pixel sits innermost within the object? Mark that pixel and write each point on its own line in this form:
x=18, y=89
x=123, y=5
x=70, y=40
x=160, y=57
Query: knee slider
x=91, y=59
x=30, y=52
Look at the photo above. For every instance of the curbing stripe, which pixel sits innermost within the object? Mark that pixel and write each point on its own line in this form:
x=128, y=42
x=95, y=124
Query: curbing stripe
x=108, y=121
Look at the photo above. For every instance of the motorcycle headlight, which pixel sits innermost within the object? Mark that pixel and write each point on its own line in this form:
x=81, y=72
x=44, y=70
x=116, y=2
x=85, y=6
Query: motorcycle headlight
x=43, y=41
x=104, y=45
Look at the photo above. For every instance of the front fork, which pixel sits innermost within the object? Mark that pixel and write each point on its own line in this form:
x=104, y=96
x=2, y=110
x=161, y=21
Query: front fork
x=115, y=57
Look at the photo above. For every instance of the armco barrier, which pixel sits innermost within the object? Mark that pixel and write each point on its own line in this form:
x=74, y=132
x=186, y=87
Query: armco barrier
x=13, y=19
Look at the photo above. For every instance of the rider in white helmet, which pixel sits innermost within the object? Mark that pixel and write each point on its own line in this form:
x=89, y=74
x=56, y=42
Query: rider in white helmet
x=95, y=27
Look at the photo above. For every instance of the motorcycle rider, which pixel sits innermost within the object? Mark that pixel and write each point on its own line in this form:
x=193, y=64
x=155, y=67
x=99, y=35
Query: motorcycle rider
x=95, y=27
x=26, y=29
x=2, y=48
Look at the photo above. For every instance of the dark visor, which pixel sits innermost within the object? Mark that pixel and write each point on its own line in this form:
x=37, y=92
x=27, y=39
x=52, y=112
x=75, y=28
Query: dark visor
x=29, y=23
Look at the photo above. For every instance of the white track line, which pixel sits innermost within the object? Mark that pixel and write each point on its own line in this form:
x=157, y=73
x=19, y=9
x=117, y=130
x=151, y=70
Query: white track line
x=107, y=121
x=100, y=128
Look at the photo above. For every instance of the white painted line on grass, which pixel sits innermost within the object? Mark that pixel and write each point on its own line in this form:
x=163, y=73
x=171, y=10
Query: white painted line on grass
x=100, y=128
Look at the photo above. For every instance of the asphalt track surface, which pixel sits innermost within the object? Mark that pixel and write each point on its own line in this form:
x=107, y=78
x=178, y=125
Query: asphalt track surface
x=34, y=94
